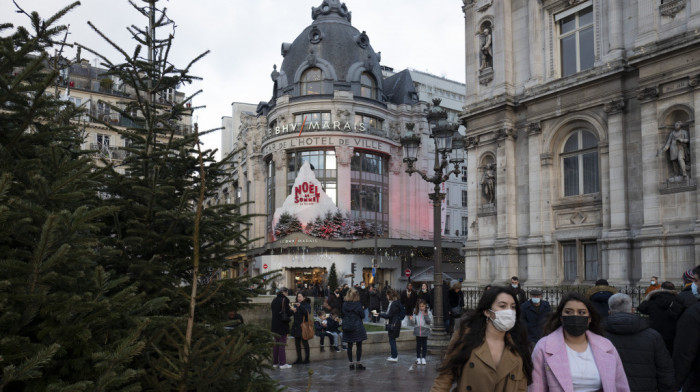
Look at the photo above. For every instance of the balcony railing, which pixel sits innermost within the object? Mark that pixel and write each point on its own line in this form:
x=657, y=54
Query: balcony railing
x=109, y=152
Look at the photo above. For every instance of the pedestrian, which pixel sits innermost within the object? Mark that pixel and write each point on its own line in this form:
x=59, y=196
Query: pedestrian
x=235, y=318
x=334, y=322
x=488, y=351
x=408, y=297
x=364, y=299
x=423, y=294
x=689, y=294
x=656, y=305
x=599, y=295
x=686, y=350
x=534, y=314
x=393, y=325
x=646, y=361
x=302, y=312
x=374, y=303
x=515, y=285
x=322, y=331
x=573, y=355
x=422, y=320
x=281, y=314
x=653, y=285
x=455, y=304
x=353, y=330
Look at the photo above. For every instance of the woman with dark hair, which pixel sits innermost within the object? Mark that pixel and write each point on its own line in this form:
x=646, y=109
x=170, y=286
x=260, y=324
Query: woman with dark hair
x=573, y=356
x=393, y=325
x=488, y=350
x=302, y=312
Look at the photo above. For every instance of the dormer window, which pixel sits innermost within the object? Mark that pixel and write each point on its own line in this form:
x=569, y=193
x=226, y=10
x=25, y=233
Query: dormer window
x=368, y=87
x=312, y=81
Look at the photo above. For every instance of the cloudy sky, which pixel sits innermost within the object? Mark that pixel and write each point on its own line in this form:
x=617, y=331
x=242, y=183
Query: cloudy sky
x=245, y=36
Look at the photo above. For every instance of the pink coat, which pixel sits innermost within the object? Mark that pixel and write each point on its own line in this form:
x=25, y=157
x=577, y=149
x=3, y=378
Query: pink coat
x=551, y=364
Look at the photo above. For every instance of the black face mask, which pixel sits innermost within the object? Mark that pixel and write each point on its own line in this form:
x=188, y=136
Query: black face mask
x=575, y=325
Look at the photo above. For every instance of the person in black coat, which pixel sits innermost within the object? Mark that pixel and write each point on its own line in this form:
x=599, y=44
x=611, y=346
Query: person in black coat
x=455, y=301
x=599, y=295
x=374, y=302
x=689, y=295
x=302, y=312
x=394, y=322
x=646, y=361
x=335, y=300
x=409, y=298
x=533, y=314
x=364, y=299
x=353, y=328
x=686, y=350
x=656, y=305
x=280, y=310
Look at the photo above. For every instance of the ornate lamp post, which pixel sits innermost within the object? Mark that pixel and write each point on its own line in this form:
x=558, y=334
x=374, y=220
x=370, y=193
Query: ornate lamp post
x=449, y=148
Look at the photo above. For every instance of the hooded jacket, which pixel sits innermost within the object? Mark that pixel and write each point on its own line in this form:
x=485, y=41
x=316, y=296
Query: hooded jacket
x=657, y=306
x=646, y=361
x=686, y=351
x=599, y=295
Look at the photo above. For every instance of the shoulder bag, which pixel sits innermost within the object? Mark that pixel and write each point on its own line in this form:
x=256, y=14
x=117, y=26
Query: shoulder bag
x=307, y=328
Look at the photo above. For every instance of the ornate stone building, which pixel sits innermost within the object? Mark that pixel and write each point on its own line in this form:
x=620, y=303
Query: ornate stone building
x=571, y=117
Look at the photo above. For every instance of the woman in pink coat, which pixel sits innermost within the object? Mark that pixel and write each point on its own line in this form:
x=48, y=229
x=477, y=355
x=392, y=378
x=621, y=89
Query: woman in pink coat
x=574, y=357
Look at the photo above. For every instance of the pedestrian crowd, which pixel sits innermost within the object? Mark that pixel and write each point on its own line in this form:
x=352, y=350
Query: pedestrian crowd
x=595, y=341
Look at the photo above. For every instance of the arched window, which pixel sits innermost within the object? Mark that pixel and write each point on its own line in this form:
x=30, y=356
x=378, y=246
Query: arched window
x=311, y=81
x=368, y=87
x=580, y=164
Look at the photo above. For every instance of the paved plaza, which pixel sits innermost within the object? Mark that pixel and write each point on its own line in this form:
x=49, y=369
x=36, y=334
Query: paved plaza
x=380, y=375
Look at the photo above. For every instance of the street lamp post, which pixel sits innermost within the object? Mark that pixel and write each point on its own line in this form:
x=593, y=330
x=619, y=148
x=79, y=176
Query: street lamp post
x=449, y=148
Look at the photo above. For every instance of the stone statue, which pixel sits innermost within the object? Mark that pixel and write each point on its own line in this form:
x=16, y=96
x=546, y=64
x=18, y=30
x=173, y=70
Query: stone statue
x=488, y=183
x=486, y=50
x=677, y=145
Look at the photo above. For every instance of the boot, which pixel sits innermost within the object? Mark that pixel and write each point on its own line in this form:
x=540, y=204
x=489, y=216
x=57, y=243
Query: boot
x=323, y=350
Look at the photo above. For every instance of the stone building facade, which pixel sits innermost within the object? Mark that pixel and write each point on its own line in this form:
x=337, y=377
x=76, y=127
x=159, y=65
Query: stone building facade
x=571, y=112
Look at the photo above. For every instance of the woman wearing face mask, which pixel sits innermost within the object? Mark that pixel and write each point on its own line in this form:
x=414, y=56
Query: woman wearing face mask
x=574, y=356
x=488, y=350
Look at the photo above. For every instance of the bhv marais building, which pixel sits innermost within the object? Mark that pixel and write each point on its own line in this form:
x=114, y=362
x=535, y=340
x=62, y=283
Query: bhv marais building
x=328, y=140
x=584, y=112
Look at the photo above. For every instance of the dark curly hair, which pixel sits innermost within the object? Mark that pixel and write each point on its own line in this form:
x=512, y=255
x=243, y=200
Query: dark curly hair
x=554, y=320
x=472, y=334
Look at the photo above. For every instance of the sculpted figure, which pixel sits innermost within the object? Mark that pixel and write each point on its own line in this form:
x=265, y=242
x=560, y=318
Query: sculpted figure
x=486, y=50
x=677, y=145
x=488, y=183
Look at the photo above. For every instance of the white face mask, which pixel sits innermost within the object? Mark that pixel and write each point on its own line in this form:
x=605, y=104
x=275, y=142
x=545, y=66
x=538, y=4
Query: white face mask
x=535, y=300
x=504, y=320
x=362, y=287
x=653, y=282
x=514, y=285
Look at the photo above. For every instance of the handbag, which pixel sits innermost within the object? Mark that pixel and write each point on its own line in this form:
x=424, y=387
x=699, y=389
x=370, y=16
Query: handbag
x=456, y=311
x=307, y=328
x=284, y=316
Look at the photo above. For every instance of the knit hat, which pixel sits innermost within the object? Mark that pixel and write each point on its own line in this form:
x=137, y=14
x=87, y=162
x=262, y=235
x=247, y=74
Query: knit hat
x=688, y=276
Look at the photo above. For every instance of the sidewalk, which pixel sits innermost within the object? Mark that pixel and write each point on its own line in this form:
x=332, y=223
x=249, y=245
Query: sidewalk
x=380, y=375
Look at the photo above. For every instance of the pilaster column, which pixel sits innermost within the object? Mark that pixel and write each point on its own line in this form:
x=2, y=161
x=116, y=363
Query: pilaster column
x=616, y=160
x=534, y=133
x=279, y=157
x=616, y=29
x=343, y=157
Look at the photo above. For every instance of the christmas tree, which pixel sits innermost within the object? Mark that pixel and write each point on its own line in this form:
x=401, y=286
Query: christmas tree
x=332, y=278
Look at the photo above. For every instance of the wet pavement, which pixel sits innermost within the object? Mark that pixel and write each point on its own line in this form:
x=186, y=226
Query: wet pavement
x=380, y=375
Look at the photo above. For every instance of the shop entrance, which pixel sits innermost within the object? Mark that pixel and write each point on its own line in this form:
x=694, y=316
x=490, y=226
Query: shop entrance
x=308, y=276
x=378, y=280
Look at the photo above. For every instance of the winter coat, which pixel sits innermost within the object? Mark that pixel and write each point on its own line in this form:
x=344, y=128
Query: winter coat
x=332, y=326
x=686, y=350
x=281, y=302
x=364, y=297
x=335, y=302
x=303, y=311
x=353, y=328
x=425, y=296
x=422, y=324
x=374, y=300
x=480, y=375
x=683, y=301
x=551, y=371
x=392, y=316
x=534, y=317
x=455, y=299
x=520, y=293
x=409, y=302
x=657, y=306
x=646, y=361
x=599, y=296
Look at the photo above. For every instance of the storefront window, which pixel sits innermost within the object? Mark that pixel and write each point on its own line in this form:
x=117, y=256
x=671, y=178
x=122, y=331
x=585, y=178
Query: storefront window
x=369, y=190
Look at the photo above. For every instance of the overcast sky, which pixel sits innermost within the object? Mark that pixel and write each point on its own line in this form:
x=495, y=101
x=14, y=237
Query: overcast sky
x=245, y=36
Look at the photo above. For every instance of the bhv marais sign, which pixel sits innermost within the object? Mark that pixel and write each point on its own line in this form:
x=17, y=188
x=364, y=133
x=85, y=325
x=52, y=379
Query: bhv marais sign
x=307, y=200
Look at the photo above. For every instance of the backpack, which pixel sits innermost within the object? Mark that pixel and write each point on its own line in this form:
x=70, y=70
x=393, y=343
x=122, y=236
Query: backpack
x=402, y=311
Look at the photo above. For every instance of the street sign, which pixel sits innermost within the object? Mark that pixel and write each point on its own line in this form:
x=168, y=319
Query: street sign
x=264, y=266
x=408, y=272
x=374, y=272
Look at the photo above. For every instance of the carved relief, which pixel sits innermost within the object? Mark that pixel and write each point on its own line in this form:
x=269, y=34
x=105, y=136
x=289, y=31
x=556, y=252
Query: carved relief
x=343, y=155
x=615, y=106
x=315, y=35
x=671, y=7
x=486, y=46
x=648, y=94
x=472, y=141
x=362, y=40
x=504, y=133
x=546, y=159
x=395, y=161
x=483, y=5
x=534, y=128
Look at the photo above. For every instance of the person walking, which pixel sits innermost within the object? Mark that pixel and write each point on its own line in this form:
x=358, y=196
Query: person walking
x=534, y=314
x=302, y=312
x=646, y=361
x=393, y=326
x=488, y=350
x=364, y=299
x=353, y=330
x=422, y=321
x=599, y=295
x=281, y=314
x=455, y=303
x=656, y=305
x=515, y=285
x=686, y=350
x=573, y=355
x=374, y=303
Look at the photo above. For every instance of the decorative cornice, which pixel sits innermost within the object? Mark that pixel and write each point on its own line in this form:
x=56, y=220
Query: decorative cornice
x=546, y=159
x=672, y=7
x=648, y=94
x=343, y=155
x=694, y=81
x=483, y=5
x=486, y=76
x=472, y=141
x=534, y=128
x=505, y=133
x=615, y=106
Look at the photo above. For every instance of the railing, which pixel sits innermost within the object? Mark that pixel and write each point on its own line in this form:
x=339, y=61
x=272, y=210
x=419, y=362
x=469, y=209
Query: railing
x=109, y=152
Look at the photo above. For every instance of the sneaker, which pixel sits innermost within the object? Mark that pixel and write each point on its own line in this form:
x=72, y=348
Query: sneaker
x=352, y=366
x=336, y=349
x=275, y=365
x=391, y=359
x=287, y=366
x=418, y=361
x=422, y=361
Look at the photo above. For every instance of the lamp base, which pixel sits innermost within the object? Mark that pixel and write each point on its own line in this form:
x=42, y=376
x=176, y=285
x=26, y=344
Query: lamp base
x=438, y=341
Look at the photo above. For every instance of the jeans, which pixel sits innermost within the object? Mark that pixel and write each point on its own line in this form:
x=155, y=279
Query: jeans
x=335, y=338
x=366, y=314
x=359, y=351
x=421, y=346
x=279, y=356
x=392, y=345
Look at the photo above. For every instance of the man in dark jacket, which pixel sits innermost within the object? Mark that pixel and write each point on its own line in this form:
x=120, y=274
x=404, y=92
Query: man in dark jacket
x=335, y=300
x=374, y=302
x=533, y=314
x=409, y=298
x=519, y=292
x=599, y=295
x=364, y=299
x=280, y=311
x=686, y=350
x=689, y=295
x=656, y=305
x=646, y=361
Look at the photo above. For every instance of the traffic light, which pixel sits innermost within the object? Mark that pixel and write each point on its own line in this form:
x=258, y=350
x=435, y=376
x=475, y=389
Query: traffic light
x=352, y=268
